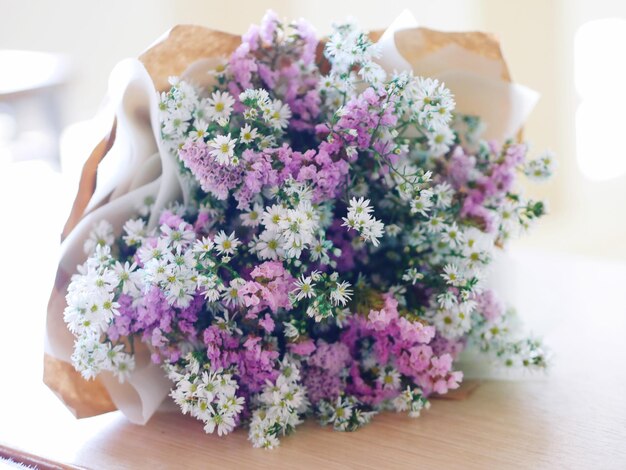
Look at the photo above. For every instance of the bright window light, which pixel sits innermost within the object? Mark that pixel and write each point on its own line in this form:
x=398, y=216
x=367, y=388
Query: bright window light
x=600, y=75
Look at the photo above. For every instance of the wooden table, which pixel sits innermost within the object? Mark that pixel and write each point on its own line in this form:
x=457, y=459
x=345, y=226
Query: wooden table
x=575, y=417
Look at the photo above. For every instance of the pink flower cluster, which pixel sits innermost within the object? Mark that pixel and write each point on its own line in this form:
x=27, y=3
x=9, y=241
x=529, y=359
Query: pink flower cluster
x=213, y=177
x=324, y=376
x=154, y=320
x=269, y=288
x=403, y=344
x=362, y=123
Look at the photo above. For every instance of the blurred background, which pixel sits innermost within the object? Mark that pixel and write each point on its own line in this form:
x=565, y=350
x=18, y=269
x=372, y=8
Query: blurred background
x=568, y=50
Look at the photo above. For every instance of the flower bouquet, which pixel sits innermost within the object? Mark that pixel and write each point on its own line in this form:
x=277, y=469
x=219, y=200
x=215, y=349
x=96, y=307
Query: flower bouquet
x=292, y=228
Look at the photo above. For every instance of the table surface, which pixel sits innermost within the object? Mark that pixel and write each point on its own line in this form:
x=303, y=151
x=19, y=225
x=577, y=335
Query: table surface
x=573, y=417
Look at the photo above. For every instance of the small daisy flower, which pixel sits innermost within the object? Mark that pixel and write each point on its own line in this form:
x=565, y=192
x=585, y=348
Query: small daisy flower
x=223, y=149
x=135, y=232
x=452, y=275
x=423, y=203
x=100, y=235
x=182, y=235
x=452, y=235
x=412, y=275
x=389, y=379
x=220, y=106
x=252, y=218
x=226, y=244
x=231, y=295
x=304, y=288
x=248, y=134
x=200, y=130
x=341, y=294
x=278, y=115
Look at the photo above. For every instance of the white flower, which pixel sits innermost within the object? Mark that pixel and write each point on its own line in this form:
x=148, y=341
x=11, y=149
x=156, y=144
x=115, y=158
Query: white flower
x=351, y=151
x=347, y=46
x=128, y=277
x=435, y=224
x=304, y=288
x=440, y=140
x=147, y=253
x=412, y=401
x=135, y=230
x=319, y=250
x=203, y=247
x=223, y=149
x=477, y=248
x=281, y=403
x=290, y=331
x=541, y=168
x=389, y=378
x=447, y=299
x=272, y=217
x=180, y=293
x=452, y=275
x=434, y=102
x=291, y=230
x=297, y=225
x=269, y=245
x=226, y=244
x=509, y=219
x=452, y=235
x=101, y=234
x=412, y=275
x=91, y=303
x=200, y=131
x=258, y=95
x=360, y=207
x=359, y=219
x=443, y=193
x=156, y=271
x=220, y=105
x=372, y=73
x=209, y=396
x=177, y=236
x=252, y=218
x=454, y=322
x=208, y=286
x=89, y=356
x=341, y=294
x=224, y=424
x=230, y=295
x=278, y=115
x=247, y=134
x=423, y=203
x=120, y=362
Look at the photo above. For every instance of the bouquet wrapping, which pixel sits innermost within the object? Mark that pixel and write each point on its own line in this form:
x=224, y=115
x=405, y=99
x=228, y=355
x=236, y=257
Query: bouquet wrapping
x=292, y=227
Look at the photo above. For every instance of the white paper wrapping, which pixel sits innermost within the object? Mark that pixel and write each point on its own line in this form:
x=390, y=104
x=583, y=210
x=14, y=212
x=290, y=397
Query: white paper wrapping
x=476, y=81
x=135, y=168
